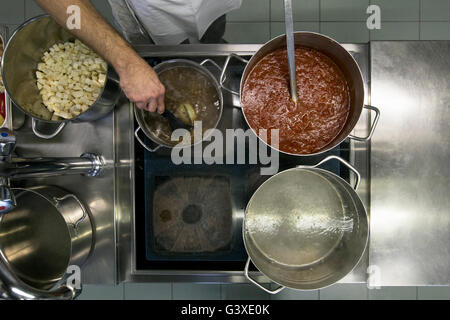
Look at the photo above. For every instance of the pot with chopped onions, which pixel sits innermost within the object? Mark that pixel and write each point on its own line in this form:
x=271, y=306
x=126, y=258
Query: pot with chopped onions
x=55, y=78
x=192, y=94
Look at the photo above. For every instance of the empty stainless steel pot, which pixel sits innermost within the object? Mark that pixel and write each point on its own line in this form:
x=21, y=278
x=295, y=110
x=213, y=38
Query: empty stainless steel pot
x=305, y=228
x=49, y=230
x=23, y=52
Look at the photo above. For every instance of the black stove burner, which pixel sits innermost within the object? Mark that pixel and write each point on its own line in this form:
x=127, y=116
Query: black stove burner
x=191, y=214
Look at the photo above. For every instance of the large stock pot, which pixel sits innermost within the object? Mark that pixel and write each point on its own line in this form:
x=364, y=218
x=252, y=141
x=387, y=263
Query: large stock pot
x=23, y=52
x=339, y=55
x=49, y=231
x=305, y=228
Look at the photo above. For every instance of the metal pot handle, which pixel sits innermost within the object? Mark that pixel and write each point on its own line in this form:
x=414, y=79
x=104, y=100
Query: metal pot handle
x=46, y=136
x=225, y=66
x=348, y=165
x=214, y=64
x=15, y=288
x=247, y=265
x=82, y=218
x=112, y=75
x=374, y=125
x=211, y=62
x=57, y=203
x=136, y=134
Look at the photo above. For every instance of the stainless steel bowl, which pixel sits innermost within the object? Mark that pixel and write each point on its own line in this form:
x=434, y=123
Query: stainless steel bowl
x=23, y=52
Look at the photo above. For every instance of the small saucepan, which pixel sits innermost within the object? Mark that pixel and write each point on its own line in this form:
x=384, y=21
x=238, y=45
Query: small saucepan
x=339, y=55
x=191, y=88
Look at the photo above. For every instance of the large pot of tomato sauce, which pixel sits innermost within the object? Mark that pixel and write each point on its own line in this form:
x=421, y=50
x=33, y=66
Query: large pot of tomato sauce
x=330, y=87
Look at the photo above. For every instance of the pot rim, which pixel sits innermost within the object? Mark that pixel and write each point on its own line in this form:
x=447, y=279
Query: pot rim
x=219, y=92
x=253, y=59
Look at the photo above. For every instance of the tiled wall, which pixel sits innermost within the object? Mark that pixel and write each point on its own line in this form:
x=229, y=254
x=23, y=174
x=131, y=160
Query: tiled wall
x=15, y=12
x=257, y=21
x=344, y=20
x=189, y=291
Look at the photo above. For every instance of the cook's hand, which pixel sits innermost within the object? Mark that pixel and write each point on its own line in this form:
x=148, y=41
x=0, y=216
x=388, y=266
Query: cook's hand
x=141, y=85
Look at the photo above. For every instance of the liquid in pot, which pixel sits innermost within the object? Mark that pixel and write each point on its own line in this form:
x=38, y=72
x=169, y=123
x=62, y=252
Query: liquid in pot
x=190, y=96
x=322, y=109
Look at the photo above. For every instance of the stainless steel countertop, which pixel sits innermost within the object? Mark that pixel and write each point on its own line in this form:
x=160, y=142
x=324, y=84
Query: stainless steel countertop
x=97, y=192
x=410, y=186
x=406, y=197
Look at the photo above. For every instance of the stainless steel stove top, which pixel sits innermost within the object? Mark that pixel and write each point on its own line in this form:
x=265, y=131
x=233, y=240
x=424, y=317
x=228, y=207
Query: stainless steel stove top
x=147, y=262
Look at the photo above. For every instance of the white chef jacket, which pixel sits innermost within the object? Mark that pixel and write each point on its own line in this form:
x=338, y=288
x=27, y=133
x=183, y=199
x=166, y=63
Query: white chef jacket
x=170, y=21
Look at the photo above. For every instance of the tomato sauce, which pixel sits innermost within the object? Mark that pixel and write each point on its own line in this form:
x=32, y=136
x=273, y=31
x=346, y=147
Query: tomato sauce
x=323, y=100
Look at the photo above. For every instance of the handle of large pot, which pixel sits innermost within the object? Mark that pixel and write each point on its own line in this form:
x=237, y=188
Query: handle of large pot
x=58, y=202
x=136, y=134
x=211, y=62
x=224, y=69
x=46, y=136
x=112, y=75
x=247, y=275
x=374, y=125
x=17, y=289
x=348, y=165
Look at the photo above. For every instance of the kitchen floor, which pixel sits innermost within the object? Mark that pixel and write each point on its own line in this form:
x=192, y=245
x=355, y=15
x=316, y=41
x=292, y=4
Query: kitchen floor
x=345, y=21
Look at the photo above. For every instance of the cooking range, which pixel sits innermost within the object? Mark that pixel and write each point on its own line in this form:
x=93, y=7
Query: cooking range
x=189, y=217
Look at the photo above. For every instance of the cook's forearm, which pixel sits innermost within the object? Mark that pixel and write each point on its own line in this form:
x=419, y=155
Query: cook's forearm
x=138, y=80
x=94, y=31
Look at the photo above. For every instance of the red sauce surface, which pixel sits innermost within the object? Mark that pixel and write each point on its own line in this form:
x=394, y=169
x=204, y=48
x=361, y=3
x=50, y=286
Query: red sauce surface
x=320, y=113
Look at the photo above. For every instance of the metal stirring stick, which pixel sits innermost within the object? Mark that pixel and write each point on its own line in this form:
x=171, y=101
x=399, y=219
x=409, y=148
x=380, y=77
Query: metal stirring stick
x=290, y=48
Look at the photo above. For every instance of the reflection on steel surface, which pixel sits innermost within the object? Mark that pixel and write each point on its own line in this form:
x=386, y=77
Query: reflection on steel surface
x=410, y=220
